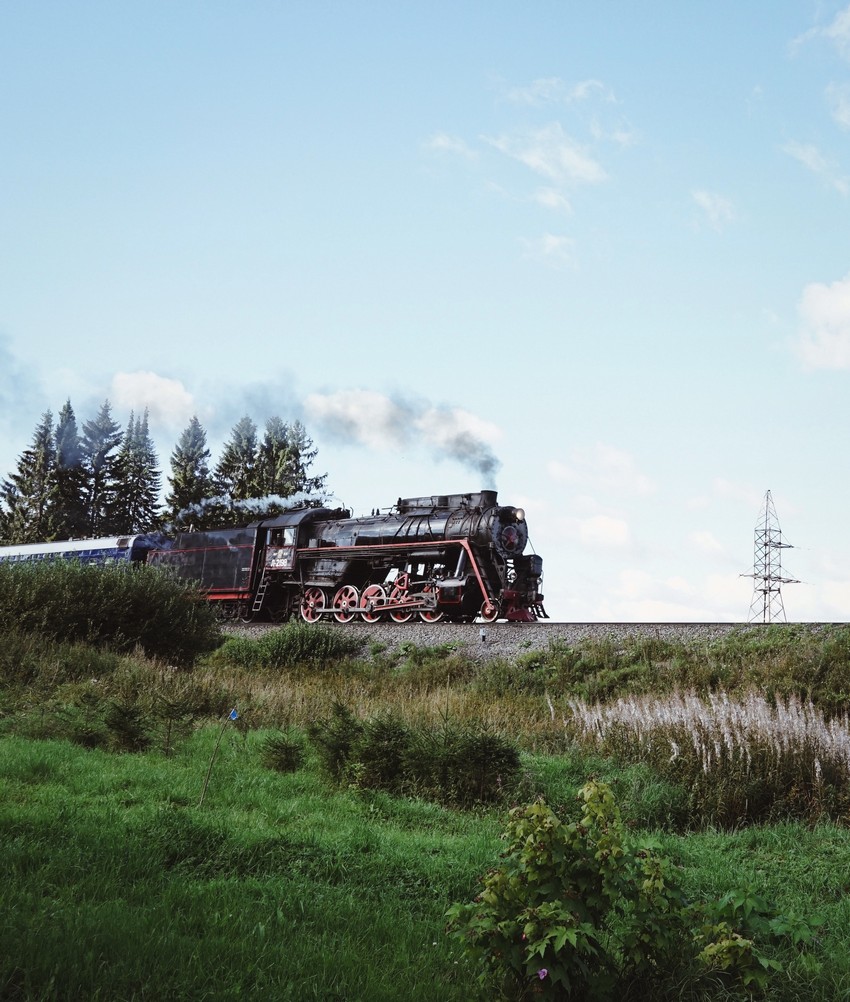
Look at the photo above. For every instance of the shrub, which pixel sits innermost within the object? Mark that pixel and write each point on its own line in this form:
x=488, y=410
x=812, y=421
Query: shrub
x=113, y=606
x=282, y=753
x=382, y=754
x=433, y=667
x=578, y=910
x=291, y=645
x=335, y=737
x=460, y=767
x=41, y=664
x=127, y=727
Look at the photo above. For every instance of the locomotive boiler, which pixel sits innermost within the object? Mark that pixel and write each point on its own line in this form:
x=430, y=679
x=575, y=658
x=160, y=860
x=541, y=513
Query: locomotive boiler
x=458, y=556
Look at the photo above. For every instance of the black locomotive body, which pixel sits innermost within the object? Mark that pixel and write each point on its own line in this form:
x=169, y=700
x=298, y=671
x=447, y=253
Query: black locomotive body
x=458, y=556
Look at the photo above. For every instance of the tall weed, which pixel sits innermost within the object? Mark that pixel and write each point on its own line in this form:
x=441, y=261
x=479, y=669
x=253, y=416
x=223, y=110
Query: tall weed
x=741, y=760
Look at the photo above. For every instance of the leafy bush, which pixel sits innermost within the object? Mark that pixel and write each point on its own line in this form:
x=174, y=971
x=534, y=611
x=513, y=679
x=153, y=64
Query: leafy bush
x=114, y=606
x=578, y=910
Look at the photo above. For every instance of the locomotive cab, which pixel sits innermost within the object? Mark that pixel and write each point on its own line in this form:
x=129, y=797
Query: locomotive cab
x=280, y=549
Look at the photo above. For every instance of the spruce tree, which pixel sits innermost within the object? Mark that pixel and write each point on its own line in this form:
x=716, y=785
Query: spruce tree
x=300, y=456
x=135, y=506
x=190, y=480
x=101, y=437
x=283, y=459
x=273, y=459
x=71, y=519
x=28, y=499
x=234, y=472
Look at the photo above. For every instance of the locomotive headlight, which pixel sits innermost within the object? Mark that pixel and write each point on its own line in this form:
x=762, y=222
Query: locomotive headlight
x=520, y=514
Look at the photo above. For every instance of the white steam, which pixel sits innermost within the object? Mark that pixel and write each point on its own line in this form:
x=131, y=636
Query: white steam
x=250, y=506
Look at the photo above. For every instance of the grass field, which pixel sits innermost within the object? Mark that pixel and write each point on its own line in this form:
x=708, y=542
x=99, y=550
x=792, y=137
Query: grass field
x=119, y=886
x=150, y=852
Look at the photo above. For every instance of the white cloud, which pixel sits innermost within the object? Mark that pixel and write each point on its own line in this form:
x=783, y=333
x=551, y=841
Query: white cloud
x=602, y=466
x=642, y=597
x=551, y=153
x=836, y=598
x=838, y=32
x=548, y=90
x=622, y=135
x=824, y=340
x=555, y=251
x=838, y=98
x=811, y=157
x=168, y=401
x=718, y=210
x=728, y=490
x=705, y=541
x=441, y=142
x=551, y=198
x=605, y=531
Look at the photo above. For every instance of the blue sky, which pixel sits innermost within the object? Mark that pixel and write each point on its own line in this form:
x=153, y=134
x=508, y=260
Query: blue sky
x=594, y=255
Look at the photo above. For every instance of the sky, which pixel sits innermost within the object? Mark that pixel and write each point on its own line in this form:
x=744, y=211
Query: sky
x=594, y=255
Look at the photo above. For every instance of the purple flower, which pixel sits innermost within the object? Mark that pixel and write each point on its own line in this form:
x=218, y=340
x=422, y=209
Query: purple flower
x=542, y=973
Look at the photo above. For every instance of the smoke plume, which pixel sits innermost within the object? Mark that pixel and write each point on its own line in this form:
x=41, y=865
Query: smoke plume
x=379, y=422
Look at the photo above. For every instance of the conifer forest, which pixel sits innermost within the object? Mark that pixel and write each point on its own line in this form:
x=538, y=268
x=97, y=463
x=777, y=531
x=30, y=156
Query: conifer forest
x=97, y=478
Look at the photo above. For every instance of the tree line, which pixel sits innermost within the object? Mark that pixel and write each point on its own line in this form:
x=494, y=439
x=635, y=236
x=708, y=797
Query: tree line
x=100, y=480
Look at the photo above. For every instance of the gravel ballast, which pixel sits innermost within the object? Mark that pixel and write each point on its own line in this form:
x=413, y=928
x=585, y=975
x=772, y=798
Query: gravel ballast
x=507, y=640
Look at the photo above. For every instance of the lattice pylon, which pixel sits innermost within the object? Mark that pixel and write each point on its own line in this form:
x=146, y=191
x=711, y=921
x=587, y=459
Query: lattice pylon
x=767, y=605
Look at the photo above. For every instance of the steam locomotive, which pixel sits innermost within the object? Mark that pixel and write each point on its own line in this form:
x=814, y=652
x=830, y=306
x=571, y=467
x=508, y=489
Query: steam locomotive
x=458, y=557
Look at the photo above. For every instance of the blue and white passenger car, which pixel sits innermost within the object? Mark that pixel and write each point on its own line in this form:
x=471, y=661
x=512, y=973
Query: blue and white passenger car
x=108, y=550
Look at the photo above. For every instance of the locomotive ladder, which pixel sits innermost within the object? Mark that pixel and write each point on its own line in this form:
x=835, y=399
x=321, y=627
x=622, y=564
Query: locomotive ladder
x=261, y=592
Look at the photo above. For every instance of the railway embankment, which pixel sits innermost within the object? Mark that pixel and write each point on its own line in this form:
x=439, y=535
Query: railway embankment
x=508, y=640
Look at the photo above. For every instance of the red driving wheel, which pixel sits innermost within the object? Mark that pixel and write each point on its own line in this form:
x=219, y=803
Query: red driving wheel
x=312, y=605
x=371, y=600
x=345, y=603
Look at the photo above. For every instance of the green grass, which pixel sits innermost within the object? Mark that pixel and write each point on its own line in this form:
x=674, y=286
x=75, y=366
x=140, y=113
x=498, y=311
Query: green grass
x=118, y=886
x=287, y=885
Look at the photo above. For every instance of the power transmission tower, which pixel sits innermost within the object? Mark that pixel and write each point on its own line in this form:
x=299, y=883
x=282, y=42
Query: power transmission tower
x=767, y=606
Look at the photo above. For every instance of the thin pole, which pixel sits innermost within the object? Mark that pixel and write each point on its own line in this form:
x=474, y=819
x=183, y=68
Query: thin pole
x=230, y=716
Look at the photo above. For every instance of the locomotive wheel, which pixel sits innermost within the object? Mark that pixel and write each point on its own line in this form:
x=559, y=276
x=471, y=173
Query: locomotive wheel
x=345, y=603
x=371, y=601
x=312, y=605
x=489, y=612
x=430, y=615
x=398, y=593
